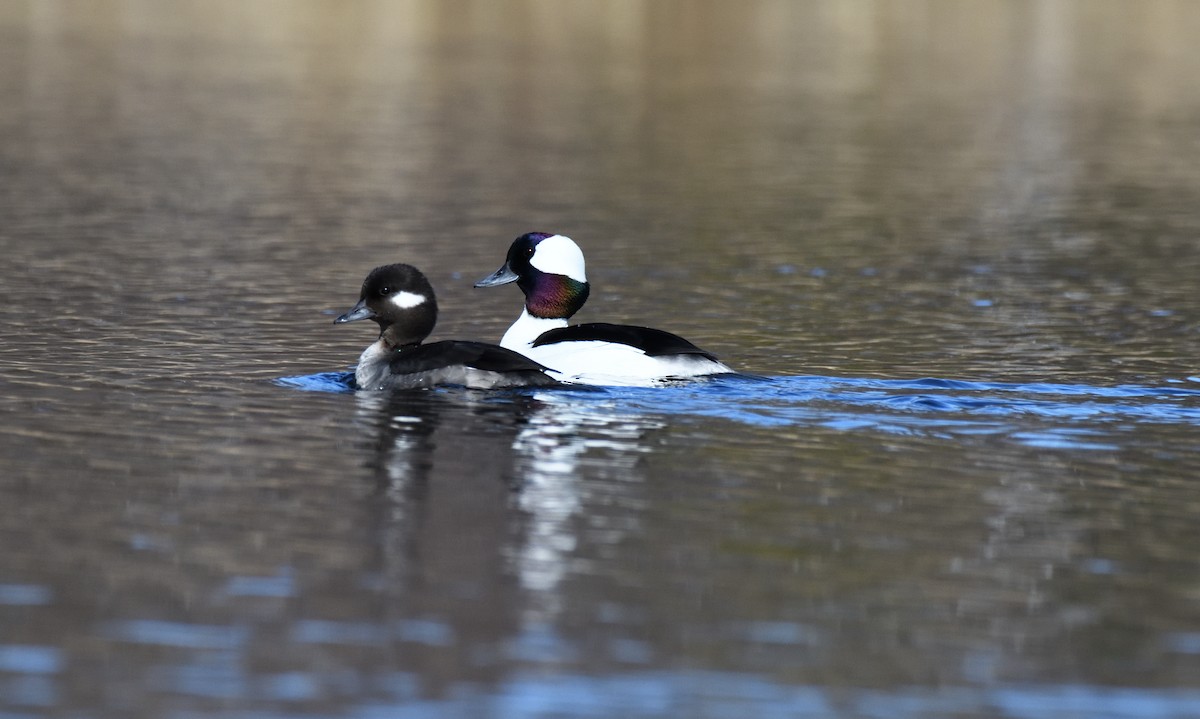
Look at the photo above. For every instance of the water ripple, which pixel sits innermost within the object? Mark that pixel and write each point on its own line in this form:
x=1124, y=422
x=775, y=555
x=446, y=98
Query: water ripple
x=178, y=634
x=1064, y=416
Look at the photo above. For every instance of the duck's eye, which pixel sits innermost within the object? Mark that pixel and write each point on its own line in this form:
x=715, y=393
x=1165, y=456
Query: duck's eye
x=529, y=251
x=385, y=291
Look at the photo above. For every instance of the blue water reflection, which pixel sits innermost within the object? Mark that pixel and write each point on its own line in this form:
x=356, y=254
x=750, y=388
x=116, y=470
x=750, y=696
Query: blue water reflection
x=717, y=695
x=418, y=631
x=25, y=594
x=30, y=659
x=281, y=585
x=178, y=634
x=1044, y=415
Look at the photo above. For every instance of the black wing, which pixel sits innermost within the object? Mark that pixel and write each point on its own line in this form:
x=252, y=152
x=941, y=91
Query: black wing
x=478, y=355
x=655, y=343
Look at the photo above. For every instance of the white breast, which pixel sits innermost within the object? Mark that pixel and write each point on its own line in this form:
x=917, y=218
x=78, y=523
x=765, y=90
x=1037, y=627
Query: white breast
x=372, y=366
x=526, y=329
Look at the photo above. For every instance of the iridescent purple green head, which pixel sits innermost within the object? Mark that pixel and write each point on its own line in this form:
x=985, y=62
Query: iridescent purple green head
x=549, y=269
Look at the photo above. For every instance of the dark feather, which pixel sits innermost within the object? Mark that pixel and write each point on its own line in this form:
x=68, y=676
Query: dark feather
x=477, y=355
x=655, y=343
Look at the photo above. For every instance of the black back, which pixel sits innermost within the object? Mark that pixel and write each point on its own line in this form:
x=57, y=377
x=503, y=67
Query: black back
x=655, y=343
x=477, y=355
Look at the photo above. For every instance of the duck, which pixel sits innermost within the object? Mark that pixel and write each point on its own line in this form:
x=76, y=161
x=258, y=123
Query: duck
x=550, y=270
x=399, y=298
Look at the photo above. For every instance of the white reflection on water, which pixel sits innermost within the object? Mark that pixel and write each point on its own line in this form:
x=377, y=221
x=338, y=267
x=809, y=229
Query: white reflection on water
x=549, y=450
x=530, y=451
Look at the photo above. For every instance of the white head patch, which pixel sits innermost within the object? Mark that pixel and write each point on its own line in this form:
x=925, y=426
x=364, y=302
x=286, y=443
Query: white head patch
x=559, y=255
x=406, y=300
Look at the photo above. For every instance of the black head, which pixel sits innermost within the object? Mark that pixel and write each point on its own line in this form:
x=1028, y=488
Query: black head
x=400, y=300
x=549, y=269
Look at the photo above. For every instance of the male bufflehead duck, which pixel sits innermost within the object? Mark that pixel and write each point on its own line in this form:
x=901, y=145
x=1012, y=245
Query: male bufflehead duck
x=402, y=303
x=549, y=269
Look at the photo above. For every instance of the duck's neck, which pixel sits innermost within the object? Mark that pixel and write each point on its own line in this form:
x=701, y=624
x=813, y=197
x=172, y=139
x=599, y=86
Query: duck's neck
x=394, y=340
x=528, y=328
x=553, y=296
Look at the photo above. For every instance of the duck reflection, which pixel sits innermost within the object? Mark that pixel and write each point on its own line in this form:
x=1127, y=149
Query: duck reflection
x=488, y=499
x=559, y=445
x=442, y=460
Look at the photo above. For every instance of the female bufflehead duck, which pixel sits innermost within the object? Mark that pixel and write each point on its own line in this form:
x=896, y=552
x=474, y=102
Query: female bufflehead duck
x=549, y=269
x=401, y=301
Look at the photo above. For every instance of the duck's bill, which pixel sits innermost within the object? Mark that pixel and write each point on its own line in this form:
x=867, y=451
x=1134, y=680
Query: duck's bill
x=359, y=311
x=502, y=276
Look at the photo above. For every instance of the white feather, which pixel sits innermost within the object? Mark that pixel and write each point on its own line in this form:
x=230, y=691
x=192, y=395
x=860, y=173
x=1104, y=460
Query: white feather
x=559, y=255
x=613, y=364
x=601, y=363
x=526, y=329
x=407, y=300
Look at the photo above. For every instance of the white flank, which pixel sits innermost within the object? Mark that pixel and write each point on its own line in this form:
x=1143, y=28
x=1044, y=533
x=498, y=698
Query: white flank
x=559, y=255
x=607, y=363
x=406, y=300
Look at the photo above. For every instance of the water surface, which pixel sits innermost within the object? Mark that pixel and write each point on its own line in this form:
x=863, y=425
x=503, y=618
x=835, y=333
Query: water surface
x=957, y=242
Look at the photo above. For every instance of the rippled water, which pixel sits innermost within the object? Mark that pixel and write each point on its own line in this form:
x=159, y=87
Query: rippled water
x=956, y=244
